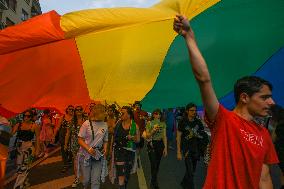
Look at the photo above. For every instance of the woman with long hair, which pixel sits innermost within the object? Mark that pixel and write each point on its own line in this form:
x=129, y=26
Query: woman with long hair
x=72, y=135
x=157, y=144
x=26, y=132
x=65, y=122
x=111, y=120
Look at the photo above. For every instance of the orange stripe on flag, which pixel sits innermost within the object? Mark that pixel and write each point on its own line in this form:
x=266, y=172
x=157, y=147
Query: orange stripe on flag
x=50, y=75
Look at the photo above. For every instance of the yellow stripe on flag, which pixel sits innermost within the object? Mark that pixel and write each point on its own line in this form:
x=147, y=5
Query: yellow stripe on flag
x=122, y=49
x=122, y=65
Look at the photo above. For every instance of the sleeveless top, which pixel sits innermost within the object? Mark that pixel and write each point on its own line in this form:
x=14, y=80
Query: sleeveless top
x=66, y=124
x=25, y=135
x=75, y=128
x=120, y=136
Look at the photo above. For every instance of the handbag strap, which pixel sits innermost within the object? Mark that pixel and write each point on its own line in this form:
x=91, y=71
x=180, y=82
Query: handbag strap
x=92, y=128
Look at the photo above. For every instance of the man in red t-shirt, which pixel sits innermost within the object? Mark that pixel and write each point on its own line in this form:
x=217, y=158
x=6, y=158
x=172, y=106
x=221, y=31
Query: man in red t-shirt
x=241, y=150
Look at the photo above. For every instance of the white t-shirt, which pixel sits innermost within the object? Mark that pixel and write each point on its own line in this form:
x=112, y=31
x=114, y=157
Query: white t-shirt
x=100, y=135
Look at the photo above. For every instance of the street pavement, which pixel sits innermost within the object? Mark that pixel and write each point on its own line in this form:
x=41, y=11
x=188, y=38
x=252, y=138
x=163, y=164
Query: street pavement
x=47, y=174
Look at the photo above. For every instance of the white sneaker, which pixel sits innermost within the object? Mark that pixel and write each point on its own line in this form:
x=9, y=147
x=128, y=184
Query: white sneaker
x=75, y=183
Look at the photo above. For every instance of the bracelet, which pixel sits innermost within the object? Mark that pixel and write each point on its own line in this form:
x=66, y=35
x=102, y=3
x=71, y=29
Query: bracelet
x=89, y=149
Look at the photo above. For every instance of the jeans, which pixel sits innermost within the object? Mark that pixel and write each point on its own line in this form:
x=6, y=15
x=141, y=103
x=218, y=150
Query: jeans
x=91, y=171
x=155, y=153
x=190, y=166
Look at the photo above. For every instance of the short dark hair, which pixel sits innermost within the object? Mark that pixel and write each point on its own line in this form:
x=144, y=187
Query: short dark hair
x=190, y=105
x=249, y=85
x=137, y=103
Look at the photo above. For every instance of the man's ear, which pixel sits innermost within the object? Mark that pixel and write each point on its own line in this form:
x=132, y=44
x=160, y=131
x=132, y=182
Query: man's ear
x=244, y=98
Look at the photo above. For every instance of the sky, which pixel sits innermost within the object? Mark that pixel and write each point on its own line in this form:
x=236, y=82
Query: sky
x=65, y=6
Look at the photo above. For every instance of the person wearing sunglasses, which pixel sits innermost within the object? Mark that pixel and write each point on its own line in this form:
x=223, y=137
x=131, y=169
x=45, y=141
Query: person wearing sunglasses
x=72, y=135
x=65, y=122
x=156, y=138
x=26, y=131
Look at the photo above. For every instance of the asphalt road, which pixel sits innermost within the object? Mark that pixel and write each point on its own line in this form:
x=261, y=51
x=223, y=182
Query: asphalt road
x=47, y=174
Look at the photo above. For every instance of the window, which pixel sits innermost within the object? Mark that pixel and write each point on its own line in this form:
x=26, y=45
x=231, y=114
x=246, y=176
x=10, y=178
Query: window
x=28, y=1
x=12, y=4
x=25, y=15
x=9, y=22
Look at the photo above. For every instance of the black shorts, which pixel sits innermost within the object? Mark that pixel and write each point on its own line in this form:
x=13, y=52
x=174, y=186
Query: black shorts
x=123, y=155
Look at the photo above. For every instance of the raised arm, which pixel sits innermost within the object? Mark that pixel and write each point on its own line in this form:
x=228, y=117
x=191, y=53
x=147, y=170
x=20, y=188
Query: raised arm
x=199, y=67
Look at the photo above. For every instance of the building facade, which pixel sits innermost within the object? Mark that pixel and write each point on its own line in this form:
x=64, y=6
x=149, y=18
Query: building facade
x=15, y=11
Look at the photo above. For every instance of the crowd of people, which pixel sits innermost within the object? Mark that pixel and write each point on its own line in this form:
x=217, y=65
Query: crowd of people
x=98, y=140
x=106, y=140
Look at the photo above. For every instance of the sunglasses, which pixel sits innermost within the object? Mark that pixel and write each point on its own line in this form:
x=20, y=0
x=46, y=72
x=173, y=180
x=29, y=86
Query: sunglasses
x=70, y=109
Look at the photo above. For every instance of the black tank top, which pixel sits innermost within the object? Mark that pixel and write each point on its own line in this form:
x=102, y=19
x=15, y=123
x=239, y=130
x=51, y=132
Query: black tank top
x=25, y=135
x=120, y=136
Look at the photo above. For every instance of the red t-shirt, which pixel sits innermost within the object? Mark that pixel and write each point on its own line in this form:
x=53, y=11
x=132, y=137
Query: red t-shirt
x=139, y=118
x=239, y=148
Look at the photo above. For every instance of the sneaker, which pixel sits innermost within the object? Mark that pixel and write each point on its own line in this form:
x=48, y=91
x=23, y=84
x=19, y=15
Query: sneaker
x=75, y=183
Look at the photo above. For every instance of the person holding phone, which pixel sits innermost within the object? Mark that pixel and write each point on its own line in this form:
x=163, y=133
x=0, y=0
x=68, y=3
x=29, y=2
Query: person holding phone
x=157, y=144
x=93, y=141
